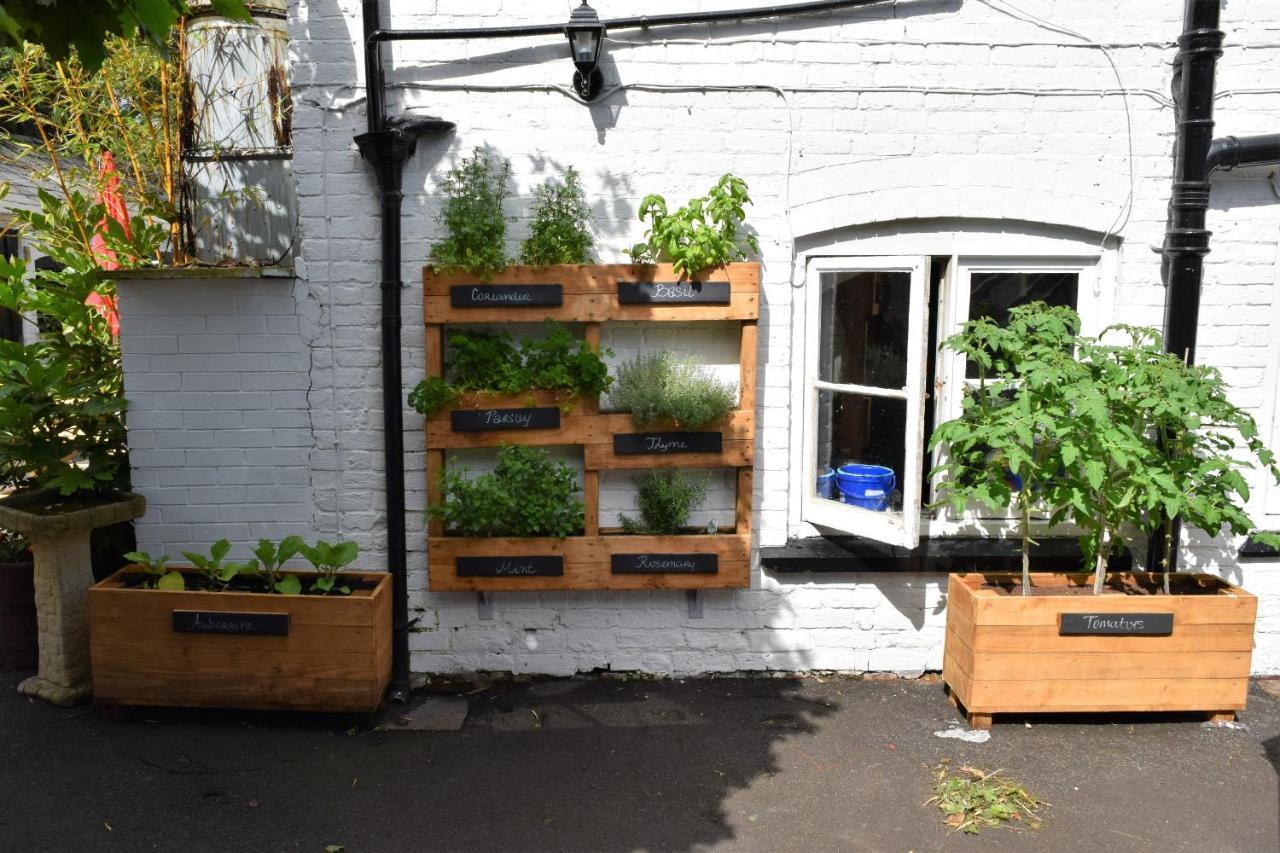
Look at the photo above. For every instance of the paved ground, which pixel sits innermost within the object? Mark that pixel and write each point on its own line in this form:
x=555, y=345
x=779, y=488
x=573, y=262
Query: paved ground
x=758, y=765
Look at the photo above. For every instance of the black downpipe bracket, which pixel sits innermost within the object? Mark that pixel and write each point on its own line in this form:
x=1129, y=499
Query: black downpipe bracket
x=1196, y=155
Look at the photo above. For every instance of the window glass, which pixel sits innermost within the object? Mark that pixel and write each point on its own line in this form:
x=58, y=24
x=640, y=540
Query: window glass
x=994, y=294
x=861, y=450
x=865, y=317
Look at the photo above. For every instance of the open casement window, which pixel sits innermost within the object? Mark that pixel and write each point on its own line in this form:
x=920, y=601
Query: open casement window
x=866, y=341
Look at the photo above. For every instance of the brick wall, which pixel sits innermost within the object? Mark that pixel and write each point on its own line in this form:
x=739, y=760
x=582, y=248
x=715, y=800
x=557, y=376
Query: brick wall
x=895, y=112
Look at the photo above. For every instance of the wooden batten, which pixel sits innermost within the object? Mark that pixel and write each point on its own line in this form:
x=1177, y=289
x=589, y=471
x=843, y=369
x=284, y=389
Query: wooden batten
x=336, y=656
x=1004, y=653
x=589, y=294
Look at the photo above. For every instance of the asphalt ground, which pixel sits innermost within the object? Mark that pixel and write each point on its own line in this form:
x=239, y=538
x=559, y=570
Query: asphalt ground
x=609, y=765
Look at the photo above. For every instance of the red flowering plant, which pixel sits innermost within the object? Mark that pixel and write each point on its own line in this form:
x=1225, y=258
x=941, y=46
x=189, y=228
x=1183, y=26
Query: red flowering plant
x=61, y=391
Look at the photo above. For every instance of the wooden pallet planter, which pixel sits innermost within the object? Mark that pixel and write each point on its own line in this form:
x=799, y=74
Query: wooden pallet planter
x=243, y=650
x=593, y=295
x=1015, y=654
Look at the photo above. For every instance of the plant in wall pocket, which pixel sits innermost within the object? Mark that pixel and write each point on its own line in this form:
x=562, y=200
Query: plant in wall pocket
x=707, y=232
x=662, y=390
x=528, y=494
x=162, y=635
x=665, y=498
x=1107, y=433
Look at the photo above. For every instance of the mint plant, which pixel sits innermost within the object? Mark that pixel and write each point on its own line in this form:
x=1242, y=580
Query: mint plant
x=1114, y=437
x=661, y=389
x=157, y=569
x=271, y=557
x=474, y=190
x=708, y=232
x=559, y=232
x=528, y=493
x=329, y=559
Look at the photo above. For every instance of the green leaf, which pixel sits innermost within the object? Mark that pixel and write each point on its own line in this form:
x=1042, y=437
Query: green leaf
x=220, y=549
x=171, y=581
x=289, y=585
x=323, y=583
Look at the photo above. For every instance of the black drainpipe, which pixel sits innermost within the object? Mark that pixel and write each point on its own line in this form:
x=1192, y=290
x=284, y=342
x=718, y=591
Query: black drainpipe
x=387, y=144
x=1196, y=154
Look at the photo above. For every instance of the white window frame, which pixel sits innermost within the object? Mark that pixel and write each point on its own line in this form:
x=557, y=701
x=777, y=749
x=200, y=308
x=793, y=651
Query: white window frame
x=896, y=529
x=971, y=247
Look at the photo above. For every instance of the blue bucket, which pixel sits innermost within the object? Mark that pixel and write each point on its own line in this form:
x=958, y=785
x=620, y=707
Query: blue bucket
x=866, y=486
x=827, y=484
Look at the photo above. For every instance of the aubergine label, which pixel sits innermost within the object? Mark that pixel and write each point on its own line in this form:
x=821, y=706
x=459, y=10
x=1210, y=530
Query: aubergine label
x=505, y=295
x=222, y=622
x=510, y=567
x=631, y=443
x=483, y=420
x=1106, y=624
x=665, y=564
x=673, y=292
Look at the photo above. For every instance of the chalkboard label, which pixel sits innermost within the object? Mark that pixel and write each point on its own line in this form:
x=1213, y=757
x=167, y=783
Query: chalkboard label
x=631, y=443
x=483, y=420
x=505, y=295
x=222, y=622
x=665, y=564
x=510, y=567
x=673, y=292
x=1105, y=624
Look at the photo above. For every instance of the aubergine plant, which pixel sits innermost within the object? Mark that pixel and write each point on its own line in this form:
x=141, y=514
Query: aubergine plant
x=271, y=557
x=1110, y=433
x=157, y=570
x=329, y=559
x=217, y=573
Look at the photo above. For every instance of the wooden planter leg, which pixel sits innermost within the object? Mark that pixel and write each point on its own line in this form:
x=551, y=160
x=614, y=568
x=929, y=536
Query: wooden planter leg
x=1218, y=718
x=979, y=721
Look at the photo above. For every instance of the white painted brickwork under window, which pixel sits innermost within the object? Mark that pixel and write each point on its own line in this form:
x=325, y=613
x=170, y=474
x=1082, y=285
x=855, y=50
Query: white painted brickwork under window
x=887, y=114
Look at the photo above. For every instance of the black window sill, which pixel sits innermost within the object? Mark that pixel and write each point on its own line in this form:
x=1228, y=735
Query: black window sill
x=940, y=554
x=1255, y=550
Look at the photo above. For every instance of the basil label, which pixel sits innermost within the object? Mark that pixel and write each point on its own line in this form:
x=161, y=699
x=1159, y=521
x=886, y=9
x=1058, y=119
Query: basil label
x=1087, y=624
x=222, y=622
x=667, y=564
x=631, y=443
x=680, y=292
x=505, y=295
x=482, y=420
x=510, y=567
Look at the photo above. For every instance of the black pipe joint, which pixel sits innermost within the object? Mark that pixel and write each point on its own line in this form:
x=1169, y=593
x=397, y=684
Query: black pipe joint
x=1200, y=42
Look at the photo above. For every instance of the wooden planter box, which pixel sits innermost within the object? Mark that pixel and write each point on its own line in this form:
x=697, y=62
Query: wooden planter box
x=1006, y=653
x=327, y=653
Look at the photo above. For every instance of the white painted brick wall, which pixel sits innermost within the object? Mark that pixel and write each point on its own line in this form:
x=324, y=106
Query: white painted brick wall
x=898, y=111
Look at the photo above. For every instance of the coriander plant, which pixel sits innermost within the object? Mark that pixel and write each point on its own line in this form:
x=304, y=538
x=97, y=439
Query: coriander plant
x=474, y=190
x=708, y=232
x=559, y=232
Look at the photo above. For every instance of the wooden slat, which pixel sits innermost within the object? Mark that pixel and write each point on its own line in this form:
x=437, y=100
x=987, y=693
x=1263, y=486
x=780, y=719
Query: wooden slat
x=1227, y=637
x=435, y=473
x=1077, y=666
x=747, y=367
x=591, y=501
x=435, y=351
x=1186, y=610
x=1107, y=694
x=736, y=454
x=595, y=279
x=742, y=502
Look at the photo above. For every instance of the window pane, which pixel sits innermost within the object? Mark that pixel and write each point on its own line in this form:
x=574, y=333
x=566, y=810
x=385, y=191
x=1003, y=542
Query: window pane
x=993, y=294
x=864, y=321
x=855, y=429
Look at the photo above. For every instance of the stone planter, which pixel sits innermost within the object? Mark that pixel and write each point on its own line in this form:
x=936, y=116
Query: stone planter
x=58, y=529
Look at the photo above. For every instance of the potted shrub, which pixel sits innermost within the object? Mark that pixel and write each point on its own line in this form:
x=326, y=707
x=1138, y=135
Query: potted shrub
x=665, y=498
x=1109, y=434
x=62, y=434
x=217, y=633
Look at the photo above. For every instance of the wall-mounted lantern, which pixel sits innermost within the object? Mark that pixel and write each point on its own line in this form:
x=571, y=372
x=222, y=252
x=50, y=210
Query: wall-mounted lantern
x=586, y=37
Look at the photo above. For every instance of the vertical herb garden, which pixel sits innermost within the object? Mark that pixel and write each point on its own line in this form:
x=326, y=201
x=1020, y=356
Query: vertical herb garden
x=529, y=523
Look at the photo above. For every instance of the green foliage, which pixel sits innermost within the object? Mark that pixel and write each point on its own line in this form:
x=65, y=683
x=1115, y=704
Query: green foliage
x=1116, y=433
x=474, y=190
x=329, y=559
x=491, y=361
x=219, y=574
x=707, y=232
x=62, y=396
x=527, y=494
x=14, y=548
x=659, y=388
x=271, y=557
x=79, y=28
x=665, y=499
x=972, y=800
x=559, y=232
x=157, y=568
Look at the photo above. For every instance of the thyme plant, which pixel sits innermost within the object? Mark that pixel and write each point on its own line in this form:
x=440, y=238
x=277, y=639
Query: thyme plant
x=659, y=388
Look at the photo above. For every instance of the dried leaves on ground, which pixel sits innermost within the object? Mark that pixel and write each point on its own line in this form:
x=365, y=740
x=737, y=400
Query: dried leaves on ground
x=971, y=800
